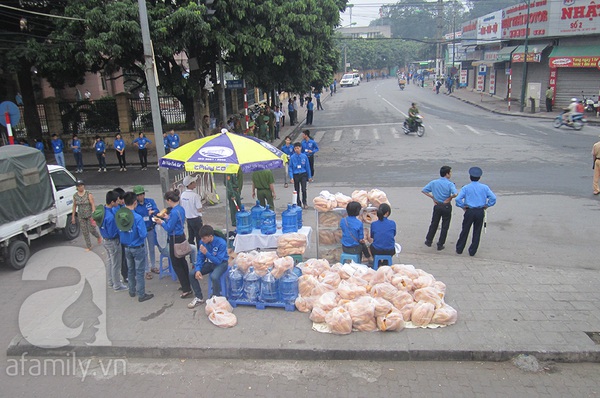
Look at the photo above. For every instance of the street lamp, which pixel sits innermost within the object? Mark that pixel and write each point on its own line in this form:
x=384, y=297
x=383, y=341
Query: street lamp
x=345, y=45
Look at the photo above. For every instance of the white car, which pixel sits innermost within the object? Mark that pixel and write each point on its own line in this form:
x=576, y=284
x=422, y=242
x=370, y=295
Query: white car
x=350, y=79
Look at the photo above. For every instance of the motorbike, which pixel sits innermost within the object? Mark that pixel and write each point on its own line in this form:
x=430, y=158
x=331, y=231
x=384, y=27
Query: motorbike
x=416, y=127
x=402, y=84
x=578, y=121
x=589, y=104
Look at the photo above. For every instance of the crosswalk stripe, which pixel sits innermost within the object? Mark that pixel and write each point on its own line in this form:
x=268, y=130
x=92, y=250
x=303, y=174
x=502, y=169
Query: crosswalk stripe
x=356, y=133
x=318, y=136
x=337, y=135
x=376, y=134
x=473, y=130
x=395, y=133
x=451, y=128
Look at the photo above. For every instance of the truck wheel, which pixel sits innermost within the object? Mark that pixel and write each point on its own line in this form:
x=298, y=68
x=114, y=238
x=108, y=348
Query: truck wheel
x=18, y=254
x=71, y=231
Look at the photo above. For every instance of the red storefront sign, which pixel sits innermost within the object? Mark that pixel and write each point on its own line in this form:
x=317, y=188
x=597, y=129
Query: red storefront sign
x=575, y=62
x=531, y=57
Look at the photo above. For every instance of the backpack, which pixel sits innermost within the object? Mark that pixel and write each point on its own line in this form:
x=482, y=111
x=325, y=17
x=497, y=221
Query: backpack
x=579, y=108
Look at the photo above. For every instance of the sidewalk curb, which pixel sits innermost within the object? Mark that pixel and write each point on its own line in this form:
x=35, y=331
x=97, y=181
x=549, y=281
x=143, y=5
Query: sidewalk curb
x=20, y=347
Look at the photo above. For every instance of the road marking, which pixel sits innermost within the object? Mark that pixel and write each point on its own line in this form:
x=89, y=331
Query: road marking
x=392, y=105
x=541, y=132
x=395, y=133
x=376, y=134
x=498, y=133
x=337, y=135
x=319, y=136
x=473, y=130
x=451, y=128
x=356, y=133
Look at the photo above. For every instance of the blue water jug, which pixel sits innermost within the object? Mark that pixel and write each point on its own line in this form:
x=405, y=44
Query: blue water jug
x=256, y=213
x=288, y=286
x=268, y=288
x=236, y=283
x=297, y=271
x=289, y=220
x=298, y=214
x=251, y=285
x=243, y=219
x=268, y=225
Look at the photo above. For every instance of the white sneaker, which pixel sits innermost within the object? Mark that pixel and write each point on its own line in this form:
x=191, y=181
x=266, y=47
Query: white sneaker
x=105, y=169
x=124, y=168
x=195, y=302
x=99, y=170
x=121, y=288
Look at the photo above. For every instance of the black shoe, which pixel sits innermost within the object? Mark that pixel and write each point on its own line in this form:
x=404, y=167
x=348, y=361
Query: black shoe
x=131, y=294
x=458, y=251
x=145, y=297
x=440, y=247
x=427, y=243
x=472, y=254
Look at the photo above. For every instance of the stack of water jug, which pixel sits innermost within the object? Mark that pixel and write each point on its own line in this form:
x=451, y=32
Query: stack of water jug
x=263, y=218
x=251, y=288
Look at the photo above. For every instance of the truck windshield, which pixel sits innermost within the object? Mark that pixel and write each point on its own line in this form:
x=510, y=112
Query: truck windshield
x=62, y=180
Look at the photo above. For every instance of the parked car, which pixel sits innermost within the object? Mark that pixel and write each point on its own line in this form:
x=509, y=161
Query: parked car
x=350, y=79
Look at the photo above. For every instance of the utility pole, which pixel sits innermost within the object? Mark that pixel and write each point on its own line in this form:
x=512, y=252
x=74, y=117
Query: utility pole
x=440, y=27
x=151, y=81
x=524, y=81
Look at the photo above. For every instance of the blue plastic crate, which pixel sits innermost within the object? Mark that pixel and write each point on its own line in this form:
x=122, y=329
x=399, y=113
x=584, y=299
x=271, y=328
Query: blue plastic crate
x=261, y=306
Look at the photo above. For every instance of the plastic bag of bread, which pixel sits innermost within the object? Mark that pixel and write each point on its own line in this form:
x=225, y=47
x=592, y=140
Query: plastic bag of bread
x=422, y=313
x=430, y=295
x=350, y=291
x=407, y=311
x=401, y=299
x=263, y=261
x=320, y=289
x=331, y=219
x=424, y=281
x=325, y=201
x=306, y=284
x=330, y=278
x=385, y=290
x=444, y=315
x=403, y=282
x=223, y=319
x=244, y=260
x=304, y=304
x=342, y=200
x=327, y=301
x=314, y=266
x=281, y=265
x=217, y=303
x=362, y=312
x=369, y=215
x=369, y=326
x=440, y=286
x=327, y=237
x=232, y=256
x=317, y=315
x=406, y=270
x=333, y=255
x=377, y=197
x=361, y=197
x=291, y=243
x=383, y=274
x=382, y=306
x=392, y=321
x=339, y=321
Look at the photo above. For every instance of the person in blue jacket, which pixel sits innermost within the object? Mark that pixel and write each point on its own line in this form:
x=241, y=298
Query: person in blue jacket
x=299, y=172
x=57, y=147
x=119, y=145
x=146, y=208
x=288, y=149
x=353, y=236
x=212, y=259
x=76, y=146
x=141, y=143
x=100, y=148
x=39, y=145
x=173, y=140
x=383, y=233
x=309, y=148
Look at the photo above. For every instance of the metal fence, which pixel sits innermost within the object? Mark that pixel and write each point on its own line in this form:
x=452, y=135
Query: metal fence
x=172, y=113
x=20, y=131
x=89, y=117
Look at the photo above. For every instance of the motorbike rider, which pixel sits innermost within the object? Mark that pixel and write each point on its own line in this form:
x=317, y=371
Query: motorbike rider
x=572, y=110
x=413, y=111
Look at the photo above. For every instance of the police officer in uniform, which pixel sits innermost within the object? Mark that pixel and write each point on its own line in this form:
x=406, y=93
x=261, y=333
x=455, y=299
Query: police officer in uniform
x=473, y=198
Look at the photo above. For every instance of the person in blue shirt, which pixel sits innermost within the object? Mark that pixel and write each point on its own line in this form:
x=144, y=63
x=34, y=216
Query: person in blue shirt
x=141, y=143
x=441, y=191
x=105, y=219
x=146, y=208
x=318, y=98
x=353, y=237
x=212, y=259
x=39, y=145
x=132, y=233
x=383, y=233
x=299, y=172
x=100, y=149
x=76, y=147
x=166, y=142
x=291, y=112
x=310, y=107
x=288, y=149
x=173, y=140
x=57, y=147
x=309, y=147
x=173, y=223
x=119, y=145
x=473, y=198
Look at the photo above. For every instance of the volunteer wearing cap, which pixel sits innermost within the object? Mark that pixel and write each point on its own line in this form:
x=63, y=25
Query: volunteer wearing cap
x=105, y=218
x=473, y=198
x=146, y=208
x=192, y=204
x=132, y=233
x=83, y=206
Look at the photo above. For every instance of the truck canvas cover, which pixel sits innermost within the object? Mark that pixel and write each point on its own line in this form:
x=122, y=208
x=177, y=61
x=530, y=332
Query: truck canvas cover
x=25, y=187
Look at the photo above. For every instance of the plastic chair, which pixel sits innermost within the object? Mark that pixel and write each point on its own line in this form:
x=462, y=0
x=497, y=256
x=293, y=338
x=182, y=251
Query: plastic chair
x=165, y=271
x=223, y=285
x=381, y=257
x=350, y=257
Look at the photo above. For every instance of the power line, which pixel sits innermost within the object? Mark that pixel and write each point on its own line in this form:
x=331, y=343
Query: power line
x=40, y=13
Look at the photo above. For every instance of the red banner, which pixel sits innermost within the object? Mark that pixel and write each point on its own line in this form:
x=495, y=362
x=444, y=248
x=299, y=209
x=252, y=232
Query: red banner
x=575, y=62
